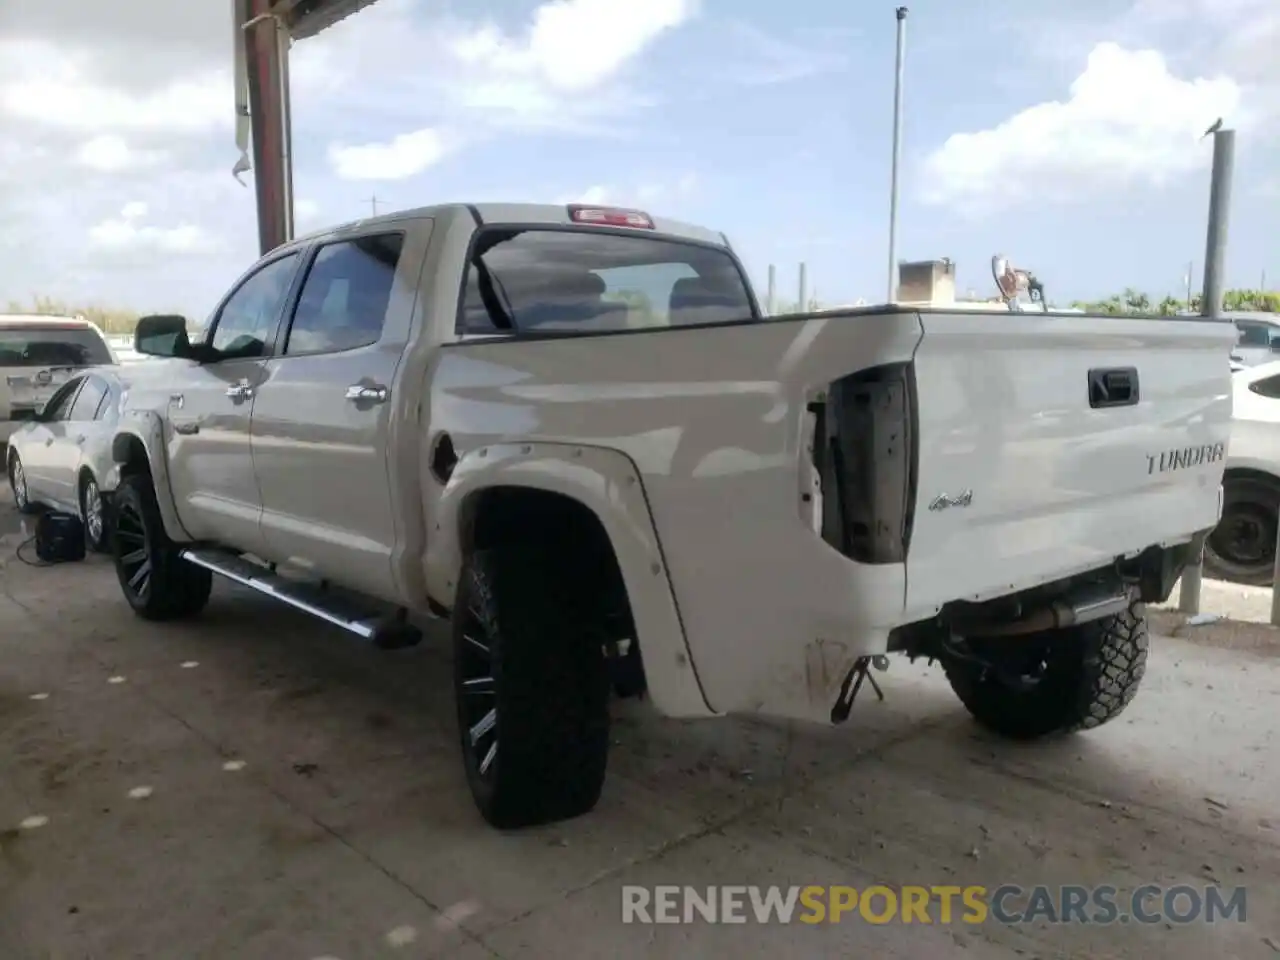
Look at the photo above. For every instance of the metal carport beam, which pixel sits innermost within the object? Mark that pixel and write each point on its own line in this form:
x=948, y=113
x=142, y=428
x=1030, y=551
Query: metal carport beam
x=264, y=29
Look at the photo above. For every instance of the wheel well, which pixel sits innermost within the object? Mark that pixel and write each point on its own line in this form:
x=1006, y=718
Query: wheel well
x=85, y=474
x=506, y=516
x=128, y=451
x=502, y=516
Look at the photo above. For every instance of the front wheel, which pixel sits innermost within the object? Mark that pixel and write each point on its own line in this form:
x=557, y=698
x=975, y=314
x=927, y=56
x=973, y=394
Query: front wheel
x=157, y=582
x=1054, y=682
x=532, y=686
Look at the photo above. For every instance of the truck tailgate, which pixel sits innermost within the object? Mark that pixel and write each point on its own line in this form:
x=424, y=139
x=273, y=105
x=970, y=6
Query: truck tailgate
x=1050, y=445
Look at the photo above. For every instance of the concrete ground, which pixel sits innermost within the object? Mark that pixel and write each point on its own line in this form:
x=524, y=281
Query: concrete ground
x=256, y=785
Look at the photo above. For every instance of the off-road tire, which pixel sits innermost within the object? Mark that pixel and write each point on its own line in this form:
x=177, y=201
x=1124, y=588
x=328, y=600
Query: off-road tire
x=1094, y=672
x=14, y=464
x=174, y=589
x=536, y=611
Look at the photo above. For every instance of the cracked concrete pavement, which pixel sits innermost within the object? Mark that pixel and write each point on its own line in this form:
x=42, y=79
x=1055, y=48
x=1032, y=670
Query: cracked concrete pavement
x=256, y=785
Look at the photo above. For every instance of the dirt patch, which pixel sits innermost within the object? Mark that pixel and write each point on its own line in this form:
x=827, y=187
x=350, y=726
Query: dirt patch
x=1246, y=636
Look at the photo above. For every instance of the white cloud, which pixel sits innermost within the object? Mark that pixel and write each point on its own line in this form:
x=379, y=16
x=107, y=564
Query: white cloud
x=126, y=233
x=567, y=70
x=401, y=157
x=46, y=85
x=573, y=45
x=109, y=153
x=1127, y=120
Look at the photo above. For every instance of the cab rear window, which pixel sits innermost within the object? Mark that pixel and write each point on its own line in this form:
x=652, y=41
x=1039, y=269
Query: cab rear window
x=35, y=346
x=578, y=281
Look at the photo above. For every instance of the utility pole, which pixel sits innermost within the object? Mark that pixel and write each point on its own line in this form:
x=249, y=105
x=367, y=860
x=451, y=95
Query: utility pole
x=1215, y=252
x=1190, y=267
x=901, y=14
x=771, y=304
x=373, y=205
x=802, y=307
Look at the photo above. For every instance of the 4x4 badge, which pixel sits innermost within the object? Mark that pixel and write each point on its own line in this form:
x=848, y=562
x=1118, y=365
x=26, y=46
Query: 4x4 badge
x=942, y=501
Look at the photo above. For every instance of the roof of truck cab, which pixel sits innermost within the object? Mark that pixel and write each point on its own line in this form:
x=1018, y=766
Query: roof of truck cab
x=520, y=214
x=29, y=320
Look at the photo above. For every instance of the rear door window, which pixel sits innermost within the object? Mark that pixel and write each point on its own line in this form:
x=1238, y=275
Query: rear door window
x=343, y=303
x=576, y=281
x=89, y=399
x=39, y=345
x=59, y=407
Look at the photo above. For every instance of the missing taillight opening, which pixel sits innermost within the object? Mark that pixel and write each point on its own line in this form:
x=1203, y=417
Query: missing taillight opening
x=607, y=217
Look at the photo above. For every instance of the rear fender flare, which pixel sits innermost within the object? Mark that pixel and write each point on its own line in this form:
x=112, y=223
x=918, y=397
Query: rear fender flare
x=147, y=428
x=607, y=483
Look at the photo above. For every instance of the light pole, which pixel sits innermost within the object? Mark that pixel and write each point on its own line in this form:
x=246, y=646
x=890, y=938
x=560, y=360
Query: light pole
x=901, y=14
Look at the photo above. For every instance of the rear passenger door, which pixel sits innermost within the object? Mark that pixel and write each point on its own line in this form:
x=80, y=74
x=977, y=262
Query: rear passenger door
x=323, y=415
x=68, y=449
x=40, y=452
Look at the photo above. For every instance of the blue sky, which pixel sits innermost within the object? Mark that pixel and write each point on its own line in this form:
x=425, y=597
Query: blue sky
x=1067, y=140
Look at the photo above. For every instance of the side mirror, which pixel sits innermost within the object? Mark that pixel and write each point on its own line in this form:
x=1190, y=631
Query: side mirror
x=162, y=335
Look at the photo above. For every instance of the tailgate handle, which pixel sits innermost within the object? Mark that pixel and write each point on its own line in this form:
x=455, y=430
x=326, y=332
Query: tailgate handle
x=1114, y=387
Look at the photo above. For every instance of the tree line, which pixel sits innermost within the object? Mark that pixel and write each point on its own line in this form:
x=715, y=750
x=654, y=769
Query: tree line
x=1134, y=301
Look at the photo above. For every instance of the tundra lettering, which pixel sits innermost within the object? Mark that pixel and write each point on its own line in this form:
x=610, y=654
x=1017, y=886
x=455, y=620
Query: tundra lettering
x=1186, y=457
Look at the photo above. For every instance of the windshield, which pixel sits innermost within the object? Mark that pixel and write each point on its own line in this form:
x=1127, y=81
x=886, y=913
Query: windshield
x=575, y=280
x=36, y=346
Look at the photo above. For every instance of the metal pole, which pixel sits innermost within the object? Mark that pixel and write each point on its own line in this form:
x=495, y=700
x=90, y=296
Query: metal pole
x=1190, y=269
x=772, y=302
x=892, y=295
x=802, y=306
x=284, y=41
x=1215, y=250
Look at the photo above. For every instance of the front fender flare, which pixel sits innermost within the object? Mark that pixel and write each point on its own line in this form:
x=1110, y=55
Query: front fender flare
x=607, y=483
x=147, y=428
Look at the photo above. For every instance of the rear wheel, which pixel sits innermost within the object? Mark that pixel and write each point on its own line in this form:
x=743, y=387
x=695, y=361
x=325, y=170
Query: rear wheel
x=156, y=581
x=1055, y=682
x=18, y=484
x=532, y=686
x=1242, y=548
x=93, y=514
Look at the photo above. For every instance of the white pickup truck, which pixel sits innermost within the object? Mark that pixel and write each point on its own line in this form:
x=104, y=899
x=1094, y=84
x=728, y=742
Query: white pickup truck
x=571, y=431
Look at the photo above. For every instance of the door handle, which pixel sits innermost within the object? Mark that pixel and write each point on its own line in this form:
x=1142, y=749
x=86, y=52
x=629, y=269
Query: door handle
x=177, y=399
x=81, y=438
x=240, y=390
x=186, y=429
x=369, y=394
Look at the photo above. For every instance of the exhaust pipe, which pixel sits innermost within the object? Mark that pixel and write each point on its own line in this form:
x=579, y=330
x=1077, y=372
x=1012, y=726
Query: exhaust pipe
x=1091, y=603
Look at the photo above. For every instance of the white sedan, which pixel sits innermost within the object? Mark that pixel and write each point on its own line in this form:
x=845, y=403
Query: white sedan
x=1243, y=546
x=60, y=458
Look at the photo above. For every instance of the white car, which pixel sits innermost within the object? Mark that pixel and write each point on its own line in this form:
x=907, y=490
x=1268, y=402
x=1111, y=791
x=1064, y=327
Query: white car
x=1259, y=341
x=61, y=457
x=38, y=354
x=1243, y=546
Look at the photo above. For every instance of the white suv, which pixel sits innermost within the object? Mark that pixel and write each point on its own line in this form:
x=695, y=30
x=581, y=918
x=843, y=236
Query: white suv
x=38, y=354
